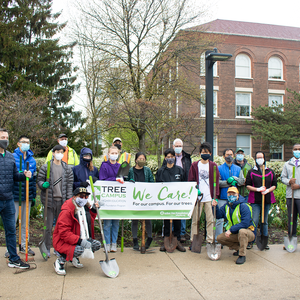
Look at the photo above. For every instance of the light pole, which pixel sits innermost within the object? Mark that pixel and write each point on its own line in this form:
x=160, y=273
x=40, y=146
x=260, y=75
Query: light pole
x=210, y=58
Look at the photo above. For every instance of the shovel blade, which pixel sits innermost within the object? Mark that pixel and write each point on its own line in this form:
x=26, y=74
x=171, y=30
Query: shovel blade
x=110, y=268
x=197, y=243
x=262, y=242
x=290, y=244
x=213, y=251
x=43, y=250
x=170, y=244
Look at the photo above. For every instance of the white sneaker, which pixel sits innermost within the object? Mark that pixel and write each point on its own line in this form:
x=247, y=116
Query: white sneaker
x=107, y=248
x=59, y=267
x=76, y=263
x=113, y=247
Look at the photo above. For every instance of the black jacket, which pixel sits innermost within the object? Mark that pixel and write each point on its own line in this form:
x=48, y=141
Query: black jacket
x=165, y=174
x=8, y=175
x=186, y=164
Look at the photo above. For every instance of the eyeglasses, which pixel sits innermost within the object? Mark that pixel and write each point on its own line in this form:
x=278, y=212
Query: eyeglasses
x=83, y=196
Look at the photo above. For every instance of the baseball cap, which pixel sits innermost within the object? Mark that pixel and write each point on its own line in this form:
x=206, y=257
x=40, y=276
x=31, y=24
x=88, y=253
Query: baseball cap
x=80, y=190
x=239, y=149
x=117, y=139
x=233, y=189
x=62, y=135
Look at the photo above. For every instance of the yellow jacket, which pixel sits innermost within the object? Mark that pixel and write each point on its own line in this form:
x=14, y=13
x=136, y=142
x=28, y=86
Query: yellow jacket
x=72, y=157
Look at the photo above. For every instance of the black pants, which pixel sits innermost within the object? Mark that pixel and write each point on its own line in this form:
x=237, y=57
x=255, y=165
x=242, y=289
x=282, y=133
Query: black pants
x=177, y=226
x=296, y=212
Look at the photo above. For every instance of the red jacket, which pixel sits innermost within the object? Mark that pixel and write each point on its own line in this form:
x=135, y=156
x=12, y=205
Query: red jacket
x=194, y=176
x=67, y=230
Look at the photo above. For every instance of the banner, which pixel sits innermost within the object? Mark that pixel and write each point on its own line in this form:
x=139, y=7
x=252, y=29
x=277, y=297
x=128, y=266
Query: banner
x=139, y=200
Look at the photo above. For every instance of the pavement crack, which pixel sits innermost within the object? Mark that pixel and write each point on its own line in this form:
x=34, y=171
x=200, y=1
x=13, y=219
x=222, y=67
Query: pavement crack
x=62, y=290
x=185, y=277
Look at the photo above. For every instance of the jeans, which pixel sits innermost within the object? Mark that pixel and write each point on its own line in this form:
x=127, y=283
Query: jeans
x=183, y=226
x=220, y=222
x=111, y=230
x=7, y=212
x=256, y=209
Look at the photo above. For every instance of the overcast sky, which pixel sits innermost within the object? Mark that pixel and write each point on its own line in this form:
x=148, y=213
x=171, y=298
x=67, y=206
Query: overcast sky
x=284, y=13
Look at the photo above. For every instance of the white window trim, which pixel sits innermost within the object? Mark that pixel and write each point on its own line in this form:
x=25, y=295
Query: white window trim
x=243, y=90
x=242, y=147
x=249, y=67
x=281, y=79
x=216, y=115
x=279, y=92
x=215, y=136
x=244, y=117
x=282, y=155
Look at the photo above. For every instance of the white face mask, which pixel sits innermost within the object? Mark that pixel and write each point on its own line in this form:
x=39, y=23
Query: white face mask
x=260, y=161
x=81, y=201
x=63, y=143
x=59, y=156
x=113, y=156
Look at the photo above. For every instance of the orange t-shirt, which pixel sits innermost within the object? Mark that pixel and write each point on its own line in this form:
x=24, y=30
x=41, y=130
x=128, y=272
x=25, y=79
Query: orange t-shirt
x=65, y=158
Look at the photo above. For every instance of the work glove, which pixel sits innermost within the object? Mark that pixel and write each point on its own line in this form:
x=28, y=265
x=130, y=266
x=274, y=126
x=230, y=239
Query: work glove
x=86, y=244
x=261, y=189
x=84, y=184
x=96, y=245
x=120, y=179
x=95, y=179
x=231, y=181
x=46, y=185
x=33, y=203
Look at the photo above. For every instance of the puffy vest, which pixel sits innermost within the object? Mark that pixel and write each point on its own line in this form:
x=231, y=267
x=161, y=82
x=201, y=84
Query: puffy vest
x=236, y=216
x=123, y=157
x=225, y=173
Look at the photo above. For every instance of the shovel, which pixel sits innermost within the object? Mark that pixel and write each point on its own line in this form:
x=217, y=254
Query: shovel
x=197, y=238
x=213, y=249
x=170, y=242
x=109, y=266
x=42, y=245
x=290, y=242
x=262, y=240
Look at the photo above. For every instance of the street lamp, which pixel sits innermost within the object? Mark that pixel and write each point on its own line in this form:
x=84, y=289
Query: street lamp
x=210, y=58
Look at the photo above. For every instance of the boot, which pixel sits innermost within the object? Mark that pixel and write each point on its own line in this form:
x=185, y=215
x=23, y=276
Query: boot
x=148, y=242
x=180, y=247
x=240, y=260
x=135, y=244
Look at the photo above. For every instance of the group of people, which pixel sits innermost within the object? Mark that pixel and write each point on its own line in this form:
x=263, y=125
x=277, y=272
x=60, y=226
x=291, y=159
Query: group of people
x=236, y=190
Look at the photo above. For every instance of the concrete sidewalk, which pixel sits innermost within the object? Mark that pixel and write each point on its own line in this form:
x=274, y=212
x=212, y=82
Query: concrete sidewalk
x=273, y=274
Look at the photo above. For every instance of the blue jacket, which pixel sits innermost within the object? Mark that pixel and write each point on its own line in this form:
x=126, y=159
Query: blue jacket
x=225, y=173
x=81, y=172
x=246, y=219
x=8, y=174
x=32, y=180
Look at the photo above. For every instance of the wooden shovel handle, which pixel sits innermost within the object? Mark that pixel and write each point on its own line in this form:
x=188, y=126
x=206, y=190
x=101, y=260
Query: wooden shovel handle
x=263, y=198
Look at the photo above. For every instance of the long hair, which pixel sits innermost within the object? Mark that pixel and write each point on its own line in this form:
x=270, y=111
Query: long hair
x=258, y=167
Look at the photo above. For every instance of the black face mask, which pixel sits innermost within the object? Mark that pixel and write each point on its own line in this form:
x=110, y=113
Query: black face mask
x=4, y=144
x=229, y=159
x=118, y=146
x=205, y=156
x=87, y=159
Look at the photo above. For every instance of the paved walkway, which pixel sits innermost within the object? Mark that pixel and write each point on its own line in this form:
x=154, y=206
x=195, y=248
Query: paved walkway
x=273, y=274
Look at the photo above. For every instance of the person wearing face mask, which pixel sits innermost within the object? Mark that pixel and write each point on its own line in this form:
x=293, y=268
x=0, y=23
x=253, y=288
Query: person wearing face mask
x=230, y=175
x=241, y=161
x=140, y=173
x=8, y=175
x=202, y=171
x=256, y=188
x=292, y=185
x=108, y=171
x=122, y=155
x=60, y=188
x=70, y=156
x=66, y=236
x=27, y=156
x=240, y=226
x=171, y=173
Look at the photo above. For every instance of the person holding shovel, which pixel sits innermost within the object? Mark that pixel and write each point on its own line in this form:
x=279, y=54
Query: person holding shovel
x=292, y=186
x=8, y=175
x=202, y=172
x=254, y=183
x=240, y=226
x=66, y=236
x=140, y=173
x=60, y=188
x=171, y=173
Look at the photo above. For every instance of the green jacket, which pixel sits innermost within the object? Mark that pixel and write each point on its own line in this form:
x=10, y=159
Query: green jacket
x=242, y=189
x=147, y=172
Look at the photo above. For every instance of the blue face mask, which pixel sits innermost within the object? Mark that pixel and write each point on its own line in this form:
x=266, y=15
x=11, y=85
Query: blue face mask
x=178, y=150
x=240, y=157
x=231, y=198
x=25, y=147
x=296, y=153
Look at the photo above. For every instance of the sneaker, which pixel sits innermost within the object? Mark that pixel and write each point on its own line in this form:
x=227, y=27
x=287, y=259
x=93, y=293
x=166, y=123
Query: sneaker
x=107, y=248
x=18, y=264
x=113, y=247
x=59, y=267
x=240, y=260
x=148, y=242
x=162, y=248
x=48, y=253
x=30, y=252
x=267, y=247
x=56, y=253
x=76, y=263
x=6, y=255
x=180, y=247
x=249, y=246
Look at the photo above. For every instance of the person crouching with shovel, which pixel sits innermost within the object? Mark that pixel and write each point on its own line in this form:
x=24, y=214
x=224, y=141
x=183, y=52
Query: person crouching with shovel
x=240, y=226
x=68, y=239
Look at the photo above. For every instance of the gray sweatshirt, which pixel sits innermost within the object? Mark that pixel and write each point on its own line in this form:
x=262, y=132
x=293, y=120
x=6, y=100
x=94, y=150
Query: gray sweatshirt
x=287, y=174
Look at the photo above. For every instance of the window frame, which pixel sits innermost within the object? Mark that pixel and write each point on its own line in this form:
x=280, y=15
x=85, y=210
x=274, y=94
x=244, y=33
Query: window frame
x=237, y=66
x=202, y=106
x=242, y=146
x=282, y=154
x=250, y=96
x=281, y=68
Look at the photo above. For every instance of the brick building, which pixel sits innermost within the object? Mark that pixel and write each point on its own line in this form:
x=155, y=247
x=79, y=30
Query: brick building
x=265, y=62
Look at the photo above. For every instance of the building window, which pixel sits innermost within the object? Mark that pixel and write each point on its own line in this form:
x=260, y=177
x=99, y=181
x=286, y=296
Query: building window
x=275, y=100
x=244, y=142
x=276, y=153
x=215, y=145
x=243, y=104
x=202, y=66
x=202, y=105
x=275, y=68
x=242, y=66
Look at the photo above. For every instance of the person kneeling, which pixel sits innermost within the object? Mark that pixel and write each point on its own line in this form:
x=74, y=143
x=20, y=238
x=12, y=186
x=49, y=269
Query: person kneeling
x=66, y=237
x=240, y=226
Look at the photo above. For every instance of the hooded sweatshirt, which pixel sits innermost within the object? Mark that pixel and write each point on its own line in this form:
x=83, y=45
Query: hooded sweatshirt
x=109, y=171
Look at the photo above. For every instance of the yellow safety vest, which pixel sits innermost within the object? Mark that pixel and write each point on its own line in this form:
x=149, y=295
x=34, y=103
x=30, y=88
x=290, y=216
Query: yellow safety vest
x=123, y=157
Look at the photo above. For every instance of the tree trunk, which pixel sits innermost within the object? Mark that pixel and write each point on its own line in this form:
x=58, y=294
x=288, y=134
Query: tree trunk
x=142, y=141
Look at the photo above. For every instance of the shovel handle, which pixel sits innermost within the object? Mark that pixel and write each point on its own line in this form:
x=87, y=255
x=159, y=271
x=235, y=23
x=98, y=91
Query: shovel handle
x=20, y=204
x=263, y=198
